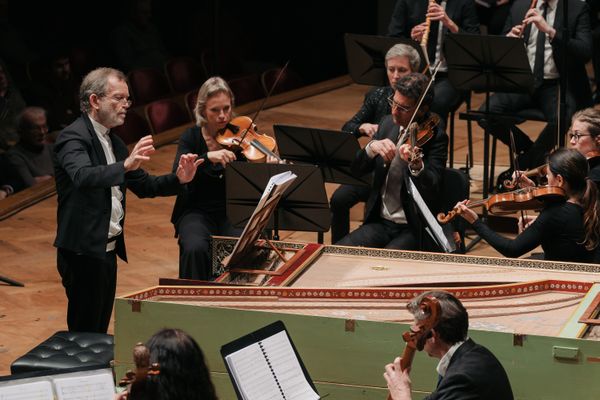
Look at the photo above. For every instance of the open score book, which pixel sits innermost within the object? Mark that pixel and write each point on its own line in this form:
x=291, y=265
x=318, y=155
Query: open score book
x=264, y=365
x=93, y=384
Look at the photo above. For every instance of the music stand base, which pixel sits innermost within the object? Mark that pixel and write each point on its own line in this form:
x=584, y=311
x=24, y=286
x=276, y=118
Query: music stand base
x=473, y=243
x=10, y=281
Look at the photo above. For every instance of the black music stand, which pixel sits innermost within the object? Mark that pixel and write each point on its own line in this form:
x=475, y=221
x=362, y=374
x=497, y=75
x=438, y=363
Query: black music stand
x=365, y=55
x=487, y=64
x=303, y=206
x=332, y=151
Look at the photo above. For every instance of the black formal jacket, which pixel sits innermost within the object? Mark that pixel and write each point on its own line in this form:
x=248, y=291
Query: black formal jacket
x=577, y=53
x=409, y=13
x=474, y=373
x=83, y=182
x=428, y=182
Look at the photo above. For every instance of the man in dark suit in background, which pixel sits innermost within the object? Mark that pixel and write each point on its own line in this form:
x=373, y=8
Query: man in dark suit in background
x=467, y=370
x=541, y=28
x=454, y=16
x=93, y=170
x=391, y=218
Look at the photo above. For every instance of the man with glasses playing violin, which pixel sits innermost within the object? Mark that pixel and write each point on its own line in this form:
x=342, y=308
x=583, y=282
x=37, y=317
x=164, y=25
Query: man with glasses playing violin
x=391, y=219
x=93, y=169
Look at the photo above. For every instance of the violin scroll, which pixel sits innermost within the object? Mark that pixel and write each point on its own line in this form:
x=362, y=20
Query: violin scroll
x=143, y=368
x=445, y=218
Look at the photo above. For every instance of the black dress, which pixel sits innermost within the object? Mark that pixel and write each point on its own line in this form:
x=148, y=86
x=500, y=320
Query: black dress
x=199, y=212
x=559, y=230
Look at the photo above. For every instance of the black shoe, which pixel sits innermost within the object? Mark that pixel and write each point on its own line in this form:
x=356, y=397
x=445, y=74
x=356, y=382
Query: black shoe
x=502, y=177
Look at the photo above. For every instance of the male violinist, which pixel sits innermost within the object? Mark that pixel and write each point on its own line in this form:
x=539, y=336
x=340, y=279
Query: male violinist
x=466, y=370
x=391, y=219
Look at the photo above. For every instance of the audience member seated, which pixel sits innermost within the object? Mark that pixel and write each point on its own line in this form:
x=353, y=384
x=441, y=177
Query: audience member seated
x=178, y=370
x=136, y=42
x=400, y=60
x=11, y=104
x=31, y=156
x=56, y=90
x=10, y=181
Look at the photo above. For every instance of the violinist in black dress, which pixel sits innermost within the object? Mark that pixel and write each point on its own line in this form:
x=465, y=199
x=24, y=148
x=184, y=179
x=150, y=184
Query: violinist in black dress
x=199, y=212
x=567, y=230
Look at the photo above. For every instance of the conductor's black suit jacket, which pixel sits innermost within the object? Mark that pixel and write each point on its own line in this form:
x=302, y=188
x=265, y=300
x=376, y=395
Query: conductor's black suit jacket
x=83, y=184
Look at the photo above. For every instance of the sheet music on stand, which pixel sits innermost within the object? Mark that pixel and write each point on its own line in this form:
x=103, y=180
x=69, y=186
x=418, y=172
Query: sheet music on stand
x=265, y=365
x=71, y=385
x=256, y=223
x=433, y=227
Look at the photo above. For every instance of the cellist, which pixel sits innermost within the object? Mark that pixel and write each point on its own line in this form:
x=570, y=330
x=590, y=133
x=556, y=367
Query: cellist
x=567, y=230
x=466, y=370
x=199, y=211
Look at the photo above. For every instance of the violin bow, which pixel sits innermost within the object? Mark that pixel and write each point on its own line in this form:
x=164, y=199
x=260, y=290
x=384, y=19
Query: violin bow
x=518, y=172
x=264, y=102
x=402, y=138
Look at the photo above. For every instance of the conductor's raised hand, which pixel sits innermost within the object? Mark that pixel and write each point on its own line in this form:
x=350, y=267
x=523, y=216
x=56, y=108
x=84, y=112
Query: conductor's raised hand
x=186, y=170
x=140, y=153
x=398, y=381
x=384, y=148
x=222, y=157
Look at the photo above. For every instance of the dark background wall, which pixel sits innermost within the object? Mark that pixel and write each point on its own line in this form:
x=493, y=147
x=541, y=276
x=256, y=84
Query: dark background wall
x=235, y=36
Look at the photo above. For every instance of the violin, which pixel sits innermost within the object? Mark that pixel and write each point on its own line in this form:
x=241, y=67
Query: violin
x=529, y=198
x=539, y=171
x=240, y=135
x=427, y=314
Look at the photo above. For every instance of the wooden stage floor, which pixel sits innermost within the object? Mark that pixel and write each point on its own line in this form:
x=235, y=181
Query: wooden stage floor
x=30, y=314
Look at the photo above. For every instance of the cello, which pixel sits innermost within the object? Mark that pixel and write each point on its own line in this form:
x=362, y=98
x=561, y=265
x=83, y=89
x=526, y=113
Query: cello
x=427, y=315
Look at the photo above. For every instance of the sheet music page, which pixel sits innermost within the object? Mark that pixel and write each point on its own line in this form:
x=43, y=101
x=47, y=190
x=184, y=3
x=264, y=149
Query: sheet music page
x=27, y=391
x=265, y=369
x=436, y=228
x=287, y=368
x=88, y=387
x=252, y=374
x=277, y=184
